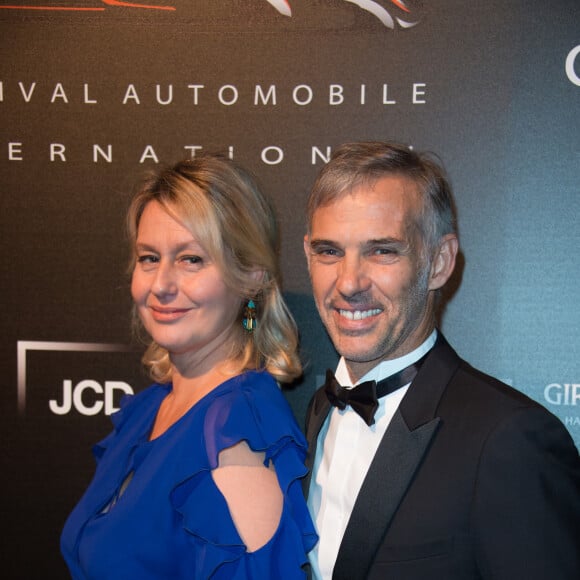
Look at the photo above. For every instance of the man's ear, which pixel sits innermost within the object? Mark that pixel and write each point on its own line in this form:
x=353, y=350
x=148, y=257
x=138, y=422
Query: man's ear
x=443, y=262
x=307, y=249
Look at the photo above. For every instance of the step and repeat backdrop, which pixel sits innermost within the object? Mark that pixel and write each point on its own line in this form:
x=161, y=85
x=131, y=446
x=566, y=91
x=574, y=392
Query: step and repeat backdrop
x=94, y=93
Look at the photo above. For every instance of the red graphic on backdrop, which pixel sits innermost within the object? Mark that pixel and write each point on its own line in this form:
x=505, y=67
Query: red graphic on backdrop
x=74, y=8
x=282, y=6
x=382, y=13
x=375, y=8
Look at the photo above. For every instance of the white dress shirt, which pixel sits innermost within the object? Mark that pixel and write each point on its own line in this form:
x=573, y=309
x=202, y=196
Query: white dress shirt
x=345, y=450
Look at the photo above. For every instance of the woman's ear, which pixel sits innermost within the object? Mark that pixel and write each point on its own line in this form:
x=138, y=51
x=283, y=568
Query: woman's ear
x=443, y=262
x=257, y=275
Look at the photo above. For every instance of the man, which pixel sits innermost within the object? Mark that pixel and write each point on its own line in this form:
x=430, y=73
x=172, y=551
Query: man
x=456, y=476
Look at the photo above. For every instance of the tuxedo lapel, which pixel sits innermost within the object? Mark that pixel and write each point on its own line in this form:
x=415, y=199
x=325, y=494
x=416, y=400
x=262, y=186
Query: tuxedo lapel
x=384, y=486
x=398, y=457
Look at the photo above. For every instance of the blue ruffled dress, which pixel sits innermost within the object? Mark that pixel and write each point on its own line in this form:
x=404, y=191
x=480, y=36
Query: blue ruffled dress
x=171, y=521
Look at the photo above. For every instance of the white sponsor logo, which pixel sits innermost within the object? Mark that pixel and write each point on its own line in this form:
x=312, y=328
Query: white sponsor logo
x=565, y=394
x=570, y=62
x=72, y=397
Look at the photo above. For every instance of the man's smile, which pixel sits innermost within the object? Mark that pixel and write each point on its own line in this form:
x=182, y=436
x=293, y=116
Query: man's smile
x=359, y=314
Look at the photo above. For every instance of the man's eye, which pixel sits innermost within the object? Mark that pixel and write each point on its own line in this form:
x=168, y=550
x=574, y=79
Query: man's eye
x=326, y=255
x=384, y=255
x=329, y=255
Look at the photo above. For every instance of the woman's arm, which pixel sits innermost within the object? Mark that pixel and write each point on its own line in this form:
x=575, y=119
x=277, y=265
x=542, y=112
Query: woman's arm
x=252, y=493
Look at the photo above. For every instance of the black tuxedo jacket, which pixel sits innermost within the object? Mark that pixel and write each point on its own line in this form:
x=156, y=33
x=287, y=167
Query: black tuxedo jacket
x=472, y=480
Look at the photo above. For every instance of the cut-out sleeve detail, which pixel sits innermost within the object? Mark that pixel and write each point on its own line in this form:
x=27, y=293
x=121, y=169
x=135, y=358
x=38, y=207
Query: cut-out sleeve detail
x=256, y=413
x=252, y=493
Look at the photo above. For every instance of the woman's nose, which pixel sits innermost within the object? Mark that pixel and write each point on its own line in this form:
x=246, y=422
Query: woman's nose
x=165, y=281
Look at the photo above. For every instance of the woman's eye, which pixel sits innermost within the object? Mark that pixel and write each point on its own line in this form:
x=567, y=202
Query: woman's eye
x=147, y=259
x=191, y=260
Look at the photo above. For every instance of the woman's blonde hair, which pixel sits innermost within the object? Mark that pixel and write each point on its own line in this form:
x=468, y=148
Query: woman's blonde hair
x=222, y=206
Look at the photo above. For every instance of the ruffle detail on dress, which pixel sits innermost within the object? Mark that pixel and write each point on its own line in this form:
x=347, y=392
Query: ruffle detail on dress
x=219, y=550
x=262, y=418
x=128, y=406
x=254, y=410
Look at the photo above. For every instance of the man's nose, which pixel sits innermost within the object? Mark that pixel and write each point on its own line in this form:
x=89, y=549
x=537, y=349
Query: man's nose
x=352, y=276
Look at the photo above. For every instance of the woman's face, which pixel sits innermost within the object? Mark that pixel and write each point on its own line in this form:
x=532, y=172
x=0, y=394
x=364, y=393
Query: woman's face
x=179, y=291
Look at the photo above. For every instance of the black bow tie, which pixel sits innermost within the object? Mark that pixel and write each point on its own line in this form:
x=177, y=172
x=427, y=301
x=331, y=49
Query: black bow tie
x=364, y=397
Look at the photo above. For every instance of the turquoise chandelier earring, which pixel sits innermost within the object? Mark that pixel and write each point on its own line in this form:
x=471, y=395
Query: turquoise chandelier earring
x=249, y=321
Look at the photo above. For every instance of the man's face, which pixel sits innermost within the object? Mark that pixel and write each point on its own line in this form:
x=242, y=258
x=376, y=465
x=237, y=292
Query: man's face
x=370, y=283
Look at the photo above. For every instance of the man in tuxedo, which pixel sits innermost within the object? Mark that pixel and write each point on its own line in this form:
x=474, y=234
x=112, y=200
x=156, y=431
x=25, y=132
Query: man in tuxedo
x=449, y=474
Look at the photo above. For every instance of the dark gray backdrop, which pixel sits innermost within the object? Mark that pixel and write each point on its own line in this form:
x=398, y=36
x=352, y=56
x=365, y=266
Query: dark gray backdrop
x=485, y=85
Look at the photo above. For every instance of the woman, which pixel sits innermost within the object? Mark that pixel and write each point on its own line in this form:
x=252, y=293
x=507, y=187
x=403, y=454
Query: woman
x=200, y=477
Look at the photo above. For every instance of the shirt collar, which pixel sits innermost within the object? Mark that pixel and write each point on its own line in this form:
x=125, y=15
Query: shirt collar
x=386, y=368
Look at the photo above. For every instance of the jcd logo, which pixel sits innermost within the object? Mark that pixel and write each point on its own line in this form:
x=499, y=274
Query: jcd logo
x=86, y=396
x=101, y=397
